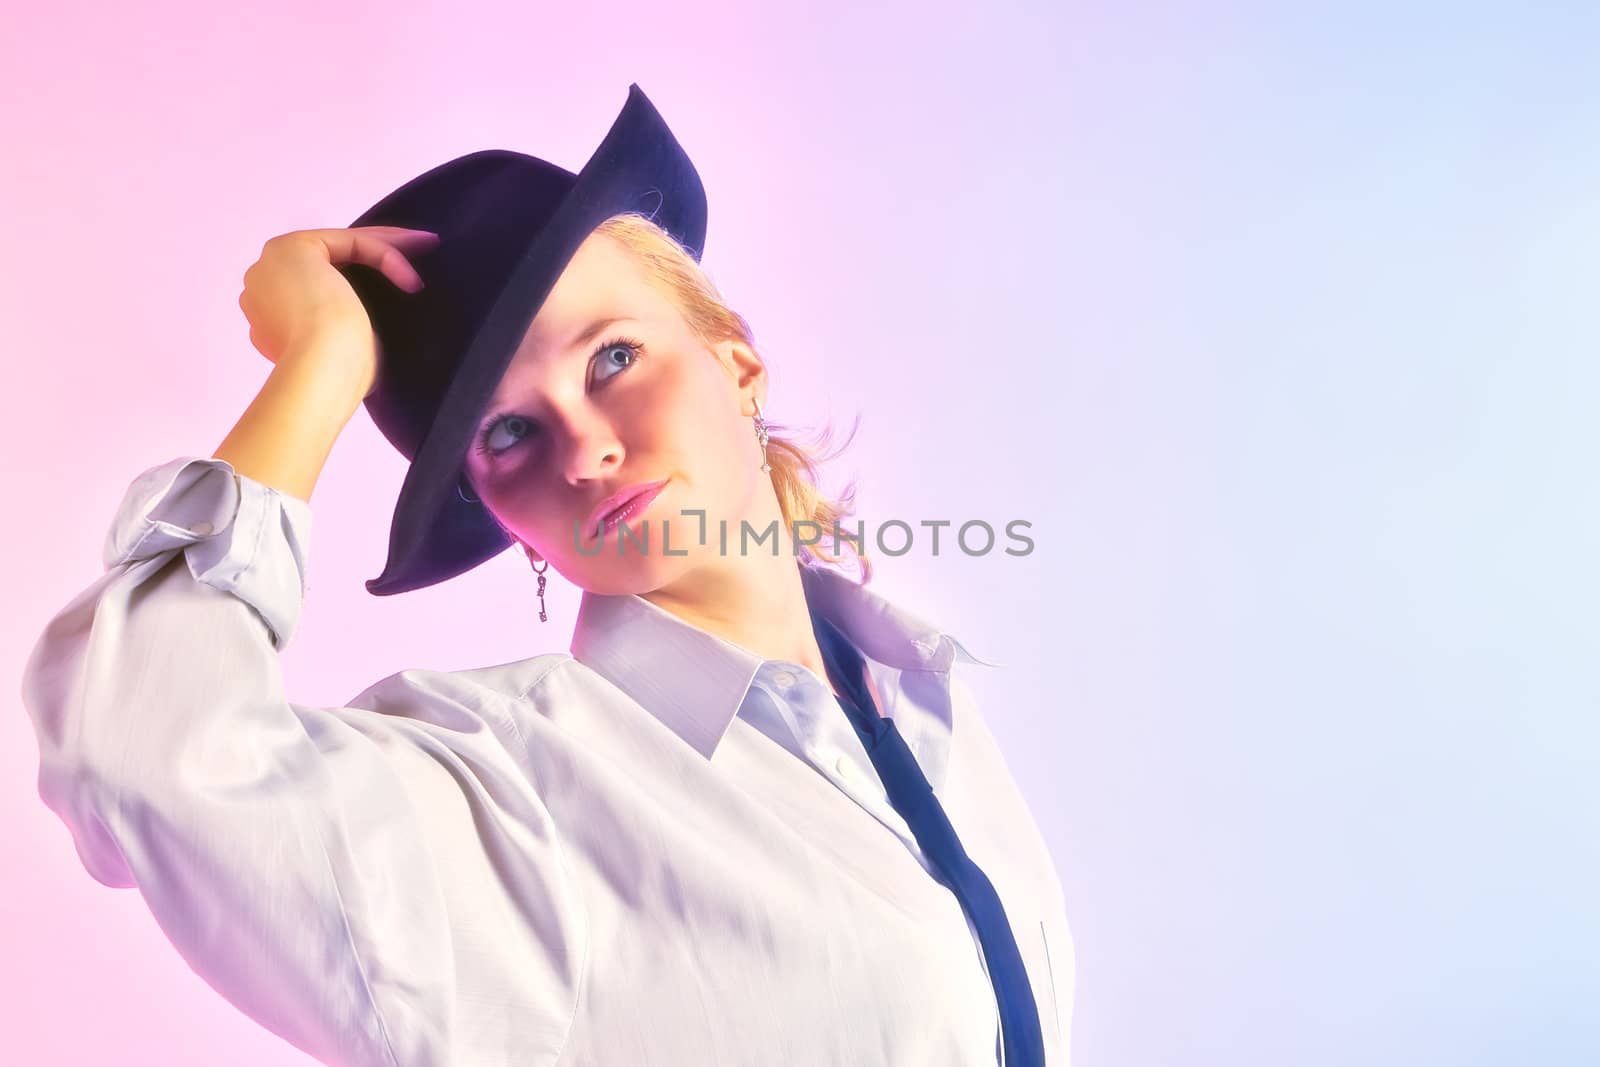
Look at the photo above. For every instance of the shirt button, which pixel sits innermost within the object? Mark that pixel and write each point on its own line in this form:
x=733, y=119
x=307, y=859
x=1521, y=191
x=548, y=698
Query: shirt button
x=201, y=528
x=845, y=768
x=784, y=678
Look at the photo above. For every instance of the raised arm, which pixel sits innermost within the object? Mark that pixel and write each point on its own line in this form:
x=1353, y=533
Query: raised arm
x=320, y=867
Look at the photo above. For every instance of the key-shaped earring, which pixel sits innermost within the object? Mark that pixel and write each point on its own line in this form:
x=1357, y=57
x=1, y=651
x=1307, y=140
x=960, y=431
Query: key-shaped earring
x=761, y=434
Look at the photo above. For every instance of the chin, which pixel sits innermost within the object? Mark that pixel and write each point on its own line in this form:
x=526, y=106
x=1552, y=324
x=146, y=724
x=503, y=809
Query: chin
x=631, y=573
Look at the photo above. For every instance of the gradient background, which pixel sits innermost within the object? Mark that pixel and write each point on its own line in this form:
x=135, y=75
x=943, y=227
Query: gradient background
x=1278, y=323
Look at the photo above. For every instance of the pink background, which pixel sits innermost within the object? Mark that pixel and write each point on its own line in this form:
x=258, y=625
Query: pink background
x=1277, y=324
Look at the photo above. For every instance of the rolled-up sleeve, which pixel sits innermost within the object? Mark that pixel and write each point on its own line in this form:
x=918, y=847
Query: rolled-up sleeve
x=237, y=535
x=287, y=851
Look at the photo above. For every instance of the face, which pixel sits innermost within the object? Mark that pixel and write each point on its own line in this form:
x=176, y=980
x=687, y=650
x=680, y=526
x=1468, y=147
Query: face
x=590, y=407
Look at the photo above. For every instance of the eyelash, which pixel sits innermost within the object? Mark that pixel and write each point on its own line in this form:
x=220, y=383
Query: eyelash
x=482, y=444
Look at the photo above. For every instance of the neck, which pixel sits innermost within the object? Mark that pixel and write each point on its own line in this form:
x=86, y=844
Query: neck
x=757, y=601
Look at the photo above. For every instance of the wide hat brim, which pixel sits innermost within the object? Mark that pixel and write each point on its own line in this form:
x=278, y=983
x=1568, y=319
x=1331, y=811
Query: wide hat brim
x=435, y=533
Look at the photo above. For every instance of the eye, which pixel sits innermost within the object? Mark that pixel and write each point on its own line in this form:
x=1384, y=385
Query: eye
x=499, y=422
x=612, y=357
x=616, y=355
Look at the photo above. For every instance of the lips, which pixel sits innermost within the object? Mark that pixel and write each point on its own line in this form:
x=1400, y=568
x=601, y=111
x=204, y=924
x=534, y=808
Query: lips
x=628, y=499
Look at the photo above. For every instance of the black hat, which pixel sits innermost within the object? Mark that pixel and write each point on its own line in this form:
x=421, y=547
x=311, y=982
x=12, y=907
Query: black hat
x=508, y=224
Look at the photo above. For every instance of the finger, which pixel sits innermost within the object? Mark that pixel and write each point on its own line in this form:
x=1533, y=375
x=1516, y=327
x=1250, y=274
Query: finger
x=357, y=246
x=398, y=233
x=397, y=268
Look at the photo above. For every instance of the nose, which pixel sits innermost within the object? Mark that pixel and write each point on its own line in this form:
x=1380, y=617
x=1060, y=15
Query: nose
x=592, y=450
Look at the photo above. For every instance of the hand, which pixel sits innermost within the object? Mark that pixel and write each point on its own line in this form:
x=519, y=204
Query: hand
x=297, y=301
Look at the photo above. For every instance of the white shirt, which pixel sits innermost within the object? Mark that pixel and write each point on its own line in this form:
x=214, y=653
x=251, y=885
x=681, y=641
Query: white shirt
x=658, y=848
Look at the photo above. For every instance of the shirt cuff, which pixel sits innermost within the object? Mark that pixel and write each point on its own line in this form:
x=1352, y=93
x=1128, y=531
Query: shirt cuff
x=237, y=534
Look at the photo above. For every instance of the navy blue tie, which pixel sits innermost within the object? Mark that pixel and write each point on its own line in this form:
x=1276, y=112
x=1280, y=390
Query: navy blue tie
x=914, y=799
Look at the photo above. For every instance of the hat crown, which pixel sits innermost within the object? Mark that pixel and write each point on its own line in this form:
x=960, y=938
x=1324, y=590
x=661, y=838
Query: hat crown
x=486, y=208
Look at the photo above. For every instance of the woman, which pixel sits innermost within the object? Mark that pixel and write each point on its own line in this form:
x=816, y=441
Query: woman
x=721, y=829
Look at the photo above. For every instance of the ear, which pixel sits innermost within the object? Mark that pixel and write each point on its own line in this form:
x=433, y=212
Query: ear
x=533, y=557
x=749, y=374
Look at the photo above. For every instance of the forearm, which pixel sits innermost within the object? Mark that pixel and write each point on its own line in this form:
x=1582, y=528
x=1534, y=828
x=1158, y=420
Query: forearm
x=285, y=436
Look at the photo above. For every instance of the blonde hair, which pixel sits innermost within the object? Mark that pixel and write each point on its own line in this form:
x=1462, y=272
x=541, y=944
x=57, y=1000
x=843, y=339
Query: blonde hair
x=795, y=467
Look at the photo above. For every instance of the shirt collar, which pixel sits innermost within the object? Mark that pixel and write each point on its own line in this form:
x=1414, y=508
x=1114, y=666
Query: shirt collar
x=695, y=682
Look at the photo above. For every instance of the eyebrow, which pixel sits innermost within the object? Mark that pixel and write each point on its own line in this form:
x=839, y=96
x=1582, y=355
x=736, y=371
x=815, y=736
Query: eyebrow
x=587, y=334
x=593, y=329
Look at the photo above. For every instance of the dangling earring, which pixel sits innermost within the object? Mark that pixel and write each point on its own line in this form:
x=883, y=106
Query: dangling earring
x=540, y=572
x=761, y=434
x=464, y=497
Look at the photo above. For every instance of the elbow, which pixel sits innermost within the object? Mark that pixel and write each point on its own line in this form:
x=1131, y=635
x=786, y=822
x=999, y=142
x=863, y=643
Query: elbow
x=86, y=803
